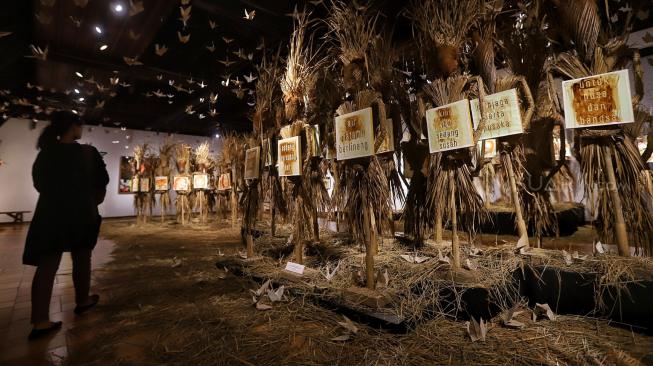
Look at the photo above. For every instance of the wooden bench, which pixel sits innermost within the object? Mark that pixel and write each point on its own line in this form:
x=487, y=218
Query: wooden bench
x=16, y=215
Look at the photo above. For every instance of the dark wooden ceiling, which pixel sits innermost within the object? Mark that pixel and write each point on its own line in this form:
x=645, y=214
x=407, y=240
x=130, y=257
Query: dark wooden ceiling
x=169, y=92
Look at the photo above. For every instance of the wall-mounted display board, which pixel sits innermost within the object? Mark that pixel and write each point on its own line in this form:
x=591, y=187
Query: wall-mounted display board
x=502, y=115
x=161, y=183
x=200, y=181
x=449, y=127
x=354, y=135
x=252, y=162
x=224, y=182
x=388, y=143
x=598, y=100
x=289, y=153
x=181, y=183
x=125, y=174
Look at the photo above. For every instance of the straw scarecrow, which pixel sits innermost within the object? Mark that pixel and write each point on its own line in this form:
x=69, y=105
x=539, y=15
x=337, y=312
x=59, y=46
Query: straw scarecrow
x=526, y=48
x=203, y=168
x=611, y=165
x=362, y=191
x=268, y=96
x=163, y=171
x=143, y=198
x=308, y=195
x=182, y=202
x=449, y=187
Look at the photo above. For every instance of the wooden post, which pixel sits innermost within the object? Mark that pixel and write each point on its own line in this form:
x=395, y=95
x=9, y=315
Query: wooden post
x=374, y=245
x=369, y=255
x=519, y=217
x=620, y=223
x=299, y=243
x=438, y=224
x=234, y=207
x=183, y=211
x=250, y=244
x=273, y=207
x=455, y=242
x=316, y=226
x=486, y=179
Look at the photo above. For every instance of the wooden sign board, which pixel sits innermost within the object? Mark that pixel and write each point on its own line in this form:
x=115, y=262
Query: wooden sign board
x=181, y=183
x=161, y=183
x=354, y=135
x=388, y=143
x=144, y=185
x=252, y=162
x=449, y=127
x=502, y=115
x=224, y=182
x=290, y=153
x=598, y=100
x=200, y=181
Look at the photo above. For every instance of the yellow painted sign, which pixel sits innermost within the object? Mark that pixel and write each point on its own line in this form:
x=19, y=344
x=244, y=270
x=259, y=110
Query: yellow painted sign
x=449, y=127
x=598, y=100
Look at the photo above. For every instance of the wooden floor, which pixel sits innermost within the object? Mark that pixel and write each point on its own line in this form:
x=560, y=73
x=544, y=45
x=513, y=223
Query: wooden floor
x=15, y=285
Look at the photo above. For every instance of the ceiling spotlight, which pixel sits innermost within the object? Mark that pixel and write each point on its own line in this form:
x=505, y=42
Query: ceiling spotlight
x=76, y=91
x=115, y=142
x=98, y=30
x=103, y=47
x=79, y=74
x=217, y=135
x=81, y=99
x=74, y=111
x=118, y=8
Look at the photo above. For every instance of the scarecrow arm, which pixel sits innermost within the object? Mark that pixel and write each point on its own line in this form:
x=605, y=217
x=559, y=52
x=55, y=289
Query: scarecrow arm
x=528, y=97
x=639, y=78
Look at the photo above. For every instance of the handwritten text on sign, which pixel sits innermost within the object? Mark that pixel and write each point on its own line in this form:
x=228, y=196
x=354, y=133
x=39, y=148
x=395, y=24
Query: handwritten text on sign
x=598, y=100
x=449, y=127
x=289, y=153
x=252, y=160
x=354, y=135
x=502, y=114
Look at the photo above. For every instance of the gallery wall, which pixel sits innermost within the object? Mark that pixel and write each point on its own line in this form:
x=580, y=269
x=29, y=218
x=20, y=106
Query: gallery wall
x=18, y=151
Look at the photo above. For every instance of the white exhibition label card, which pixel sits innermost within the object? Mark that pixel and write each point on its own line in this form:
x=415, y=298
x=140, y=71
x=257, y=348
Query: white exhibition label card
x=181, y=183
x=598, y=100
x=295, y=268
x=449, y=127
x=201, y=181
x=354, y=135
x=502, y=115
x=224, y=182
x=161, y=183
x=252, y=160
x=289, y=157
x=388, y=143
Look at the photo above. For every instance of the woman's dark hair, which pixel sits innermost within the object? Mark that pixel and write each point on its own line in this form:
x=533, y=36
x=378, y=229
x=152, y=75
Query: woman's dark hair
x=61, y=122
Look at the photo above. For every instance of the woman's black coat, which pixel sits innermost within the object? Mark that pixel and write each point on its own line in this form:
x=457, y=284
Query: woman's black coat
x=71, y=180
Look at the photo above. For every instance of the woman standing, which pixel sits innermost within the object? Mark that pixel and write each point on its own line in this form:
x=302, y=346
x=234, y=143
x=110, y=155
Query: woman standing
x=71, y=180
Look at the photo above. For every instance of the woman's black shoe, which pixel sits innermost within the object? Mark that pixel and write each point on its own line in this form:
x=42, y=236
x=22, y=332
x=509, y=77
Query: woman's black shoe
x=81, y=309
x=39, y=333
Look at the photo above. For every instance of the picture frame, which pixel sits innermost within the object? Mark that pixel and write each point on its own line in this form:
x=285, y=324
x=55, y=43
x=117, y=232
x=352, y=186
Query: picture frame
x=181, y=183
